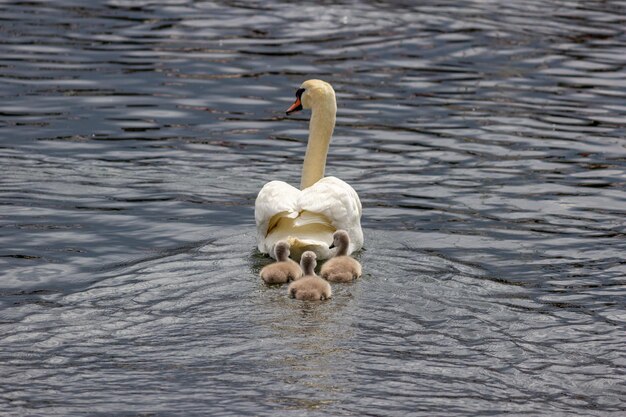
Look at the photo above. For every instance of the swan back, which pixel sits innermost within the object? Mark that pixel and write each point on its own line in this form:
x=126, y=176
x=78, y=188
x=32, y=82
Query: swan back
x=304, y=219
x=310, y=287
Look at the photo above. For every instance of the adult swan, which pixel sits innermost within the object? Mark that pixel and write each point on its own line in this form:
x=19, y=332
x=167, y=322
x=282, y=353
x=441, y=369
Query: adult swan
x=308, y=217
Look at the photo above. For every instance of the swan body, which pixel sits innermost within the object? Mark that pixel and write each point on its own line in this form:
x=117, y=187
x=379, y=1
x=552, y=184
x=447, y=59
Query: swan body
x=282, y=271
x=310, y=287
x=341, y=267
x=306, y=218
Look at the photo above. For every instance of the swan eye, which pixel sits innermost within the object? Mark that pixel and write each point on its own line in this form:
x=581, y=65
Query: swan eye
x=299, y=93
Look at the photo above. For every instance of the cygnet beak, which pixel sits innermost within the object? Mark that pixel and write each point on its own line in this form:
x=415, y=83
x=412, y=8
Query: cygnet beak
x=332, y=246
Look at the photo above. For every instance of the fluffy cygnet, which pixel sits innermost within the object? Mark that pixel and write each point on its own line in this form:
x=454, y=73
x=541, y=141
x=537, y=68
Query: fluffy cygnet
x=341, y=267
x=310, y=287
x=284, y=269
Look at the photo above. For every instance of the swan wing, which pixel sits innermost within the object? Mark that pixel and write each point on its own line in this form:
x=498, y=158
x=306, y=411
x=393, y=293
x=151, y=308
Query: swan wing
x=338, y=203
x=275, y=200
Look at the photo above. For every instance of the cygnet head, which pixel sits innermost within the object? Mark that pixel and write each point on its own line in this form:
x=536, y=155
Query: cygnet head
x=281, y=251
x=314, y=94
x=341, y=241
x=308, y=262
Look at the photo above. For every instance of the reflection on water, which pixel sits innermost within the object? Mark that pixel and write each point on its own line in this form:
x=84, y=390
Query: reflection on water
x=486, y=142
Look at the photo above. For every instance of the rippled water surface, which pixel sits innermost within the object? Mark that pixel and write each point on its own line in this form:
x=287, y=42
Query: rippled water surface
x=487, y=140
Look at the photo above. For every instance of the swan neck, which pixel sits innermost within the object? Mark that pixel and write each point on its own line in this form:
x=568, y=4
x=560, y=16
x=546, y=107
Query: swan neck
x=308, y=265
x=321, y=129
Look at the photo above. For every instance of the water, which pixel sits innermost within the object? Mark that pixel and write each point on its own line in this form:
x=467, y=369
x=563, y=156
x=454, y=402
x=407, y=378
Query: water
x=487, y=141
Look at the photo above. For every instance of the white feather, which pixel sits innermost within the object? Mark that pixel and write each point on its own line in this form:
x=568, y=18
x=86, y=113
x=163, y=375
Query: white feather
x=307, y=219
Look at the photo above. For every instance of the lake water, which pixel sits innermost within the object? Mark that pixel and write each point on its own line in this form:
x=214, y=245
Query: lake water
x=487, y=140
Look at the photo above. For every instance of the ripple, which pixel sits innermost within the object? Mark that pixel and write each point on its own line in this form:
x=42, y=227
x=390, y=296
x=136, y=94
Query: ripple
x=486, y=142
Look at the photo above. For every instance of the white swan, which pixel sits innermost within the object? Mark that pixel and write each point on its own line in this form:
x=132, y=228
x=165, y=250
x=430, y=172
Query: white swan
x=307, y=218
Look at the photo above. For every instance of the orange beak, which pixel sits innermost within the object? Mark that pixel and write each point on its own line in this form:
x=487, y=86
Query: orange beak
x=296, y=106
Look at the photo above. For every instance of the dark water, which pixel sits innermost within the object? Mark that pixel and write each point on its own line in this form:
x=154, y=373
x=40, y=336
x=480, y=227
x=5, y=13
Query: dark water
x=487, y=141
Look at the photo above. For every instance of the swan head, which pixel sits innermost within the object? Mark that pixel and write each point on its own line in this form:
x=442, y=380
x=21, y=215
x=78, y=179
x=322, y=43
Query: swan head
x=341, y=241
x=314, y=94
x=281, y=251
x=308, y=262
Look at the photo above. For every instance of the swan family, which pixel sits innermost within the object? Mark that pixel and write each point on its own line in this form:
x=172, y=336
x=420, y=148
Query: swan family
x=318, y=221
